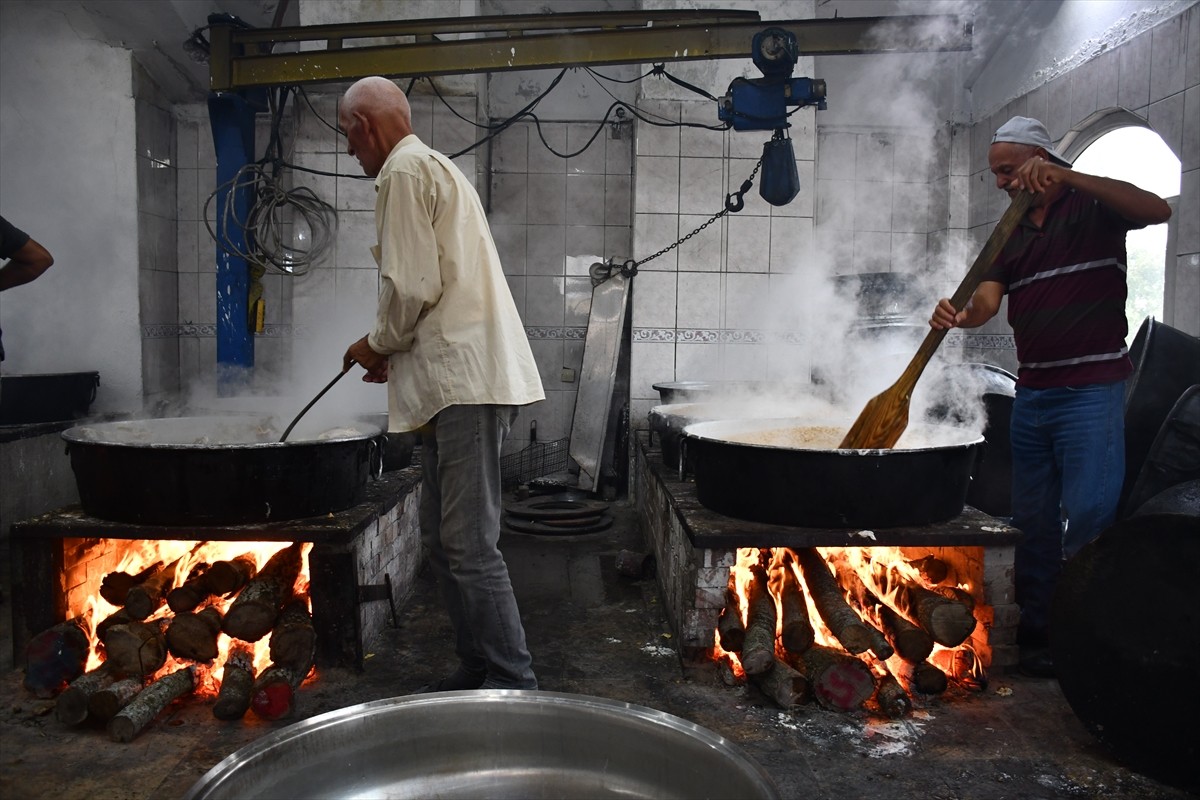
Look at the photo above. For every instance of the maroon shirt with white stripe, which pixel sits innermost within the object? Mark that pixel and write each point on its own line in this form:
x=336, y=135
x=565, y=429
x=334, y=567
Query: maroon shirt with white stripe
x=1066, y=294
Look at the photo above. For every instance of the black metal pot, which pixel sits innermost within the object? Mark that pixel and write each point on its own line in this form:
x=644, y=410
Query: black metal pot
x=830, y=488
x=397, y=447
x=217, y=470
x=51, y=397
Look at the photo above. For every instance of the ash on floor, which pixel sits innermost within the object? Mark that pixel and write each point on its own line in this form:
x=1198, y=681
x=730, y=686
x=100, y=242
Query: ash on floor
x=595, y=632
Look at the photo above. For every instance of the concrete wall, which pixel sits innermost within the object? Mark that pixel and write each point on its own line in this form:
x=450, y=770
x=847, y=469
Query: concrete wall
x=68, y=177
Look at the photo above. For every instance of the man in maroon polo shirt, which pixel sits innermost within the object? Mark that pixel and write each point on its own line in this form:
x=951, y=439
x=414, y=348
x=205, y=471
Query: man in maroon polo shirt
x=1063, y=270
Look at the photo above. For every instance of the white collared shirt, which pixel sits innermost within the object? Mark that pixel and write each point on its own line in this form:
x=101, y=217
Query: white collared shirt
x=446, y=316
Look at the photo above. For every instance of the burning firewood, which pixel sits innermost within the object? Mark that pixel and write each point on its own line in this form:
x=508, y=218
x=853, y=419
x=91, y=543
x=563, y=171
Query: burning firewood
x=839, y=682
x=731, y=630
x=922, y=677
x=131, y=719
x=274, y=694
x=787, y=687
x=842, y=621
x=55, y=657
x=891, y=697
x=145, y=598
x=221, y=578
x=948, y=621
x=911, y=642
x=257, y=606
x=194, y=635
x=933, y=570
x=71, y=708
x=118, y=617
x=758, y=651
x=856, y=590
x=797, y=633
x=237, y=683
x=104, y=703
x=294, y=640
x=116, y=585
x=730, y=676
x=137, y=648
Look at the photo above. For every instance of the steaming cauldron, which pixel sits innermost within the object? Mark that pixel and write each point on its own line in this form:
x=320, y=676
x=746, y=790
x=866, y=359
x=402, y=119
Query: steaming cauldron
x=218, y=470
x=754, y=470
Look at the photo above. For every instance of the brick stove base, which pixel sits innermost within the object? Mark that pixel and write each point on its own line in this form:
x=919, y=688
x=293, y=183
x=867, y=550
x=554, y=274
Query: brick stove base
x=695, y=548
x=360, y=557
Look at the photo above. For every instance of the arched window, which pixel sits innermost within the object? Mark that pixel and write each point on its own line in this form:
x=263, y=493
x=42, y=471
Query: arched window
x=1117, y=144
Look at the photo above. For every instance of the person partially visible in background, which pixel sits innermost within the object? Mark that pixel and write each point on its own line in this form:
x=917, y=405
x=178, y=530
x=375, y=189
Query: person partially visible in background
x=1063, y=270
x=25, y=261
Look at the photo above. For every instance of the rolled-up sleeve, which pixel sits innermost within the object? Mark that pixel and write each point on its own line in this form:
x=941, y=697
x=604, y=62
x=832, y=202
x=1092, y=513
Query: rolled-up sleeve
x=408, y=258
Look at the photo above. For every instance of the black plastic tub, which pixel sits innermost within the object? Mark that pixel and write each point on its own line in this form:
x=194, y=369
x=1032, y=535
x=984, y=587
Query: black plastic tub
x=51, y=397
x=218, y=470
x=826, y=487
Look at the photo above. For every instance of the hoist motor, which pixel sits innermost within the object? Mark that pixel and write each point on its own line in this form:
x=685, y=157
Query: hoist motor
x=761, y=104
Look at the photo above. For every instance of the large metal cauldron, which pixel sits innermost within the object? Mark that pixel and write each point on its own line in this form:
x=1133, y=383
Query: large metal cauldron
x=218, y=470
x=489, y=744
x=741, y=472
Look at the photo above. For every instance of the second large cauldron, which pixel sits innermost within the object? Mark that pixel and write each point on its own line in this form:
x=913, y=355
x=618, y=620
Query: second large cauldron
x=218, y=470
x=790, y=472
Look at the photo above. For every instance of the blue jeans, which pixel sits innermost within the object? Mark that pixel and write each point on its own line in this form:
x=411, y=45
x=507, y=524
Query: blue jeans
x=1068, y=451
x=460, y=527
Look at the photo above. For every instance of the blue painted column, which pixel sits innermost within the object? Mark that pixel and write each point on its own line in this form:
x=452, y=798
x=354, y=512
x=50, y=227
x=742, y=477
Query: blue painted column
x=232, y=121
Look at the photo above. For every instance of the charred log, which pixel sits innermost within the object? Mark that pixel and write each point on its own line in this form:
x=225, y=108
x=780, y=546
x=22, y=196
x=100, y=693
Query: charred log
x=932, y=569
x=104, y=703
x=758, y=652
x=922, y=678
x=55, y=657
x=116, y=585
x=948, y=621
x=137, y=648
x=854, y=588
x=194, y=635
x=294, y=640
x=731, y=630
x=842, y=621
x=730, y=676
x=274, y=694
x=797, y=633
x=71, y=707
x=910, y=641
x=257, y=606
x=890, y=696
x=146, y=598
x=787, y=687
x=131, y=719
x=839, y=682
x=221, y=578
x=118, y=617
x=237, y=683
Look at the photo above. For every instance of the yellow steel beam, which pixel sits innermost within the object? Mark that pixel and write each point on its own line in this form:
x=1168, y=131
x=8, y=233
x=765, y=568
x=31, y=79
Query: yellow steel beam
x=235, y=64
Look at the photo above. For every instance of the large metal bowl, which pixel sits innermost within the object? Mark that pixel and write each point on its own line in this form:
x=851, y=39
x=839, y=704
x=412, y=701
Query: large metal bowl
x=491, y=744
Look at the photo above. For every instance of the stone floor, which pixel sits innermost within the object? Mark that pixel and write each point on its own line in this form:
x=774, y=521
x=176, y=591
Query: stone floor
x=595, y=632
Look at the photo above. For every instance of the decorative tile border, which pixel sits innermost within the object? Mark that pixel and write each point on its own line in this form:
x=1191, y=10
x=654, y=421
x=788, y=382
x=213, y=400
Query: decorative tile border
x=556, y=333
x=191, y=330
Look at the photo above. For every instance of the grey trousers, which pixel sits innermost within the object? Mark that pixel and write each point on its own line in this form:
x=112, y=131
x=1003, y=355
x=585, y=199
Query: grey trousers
x=460, y=527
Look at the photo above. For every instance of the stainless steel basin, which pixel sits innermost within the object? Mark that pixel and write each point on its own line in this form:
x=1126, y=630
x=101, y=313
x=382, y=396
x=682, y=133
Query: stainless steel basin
x=493, y=744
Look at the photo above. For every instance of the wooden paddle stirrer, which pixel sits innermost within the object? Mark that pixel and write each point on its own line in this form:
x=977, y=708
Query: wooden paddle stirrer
x=885, y=416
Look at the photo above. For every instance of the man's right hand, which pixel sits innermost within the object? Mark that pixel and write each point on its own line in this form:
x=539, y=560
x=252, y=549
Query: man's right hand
x=376, y=364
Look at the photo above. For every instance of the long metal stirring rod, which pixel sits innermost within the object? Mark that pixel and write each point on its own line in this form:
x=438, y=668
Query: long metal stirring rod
x=313, y=402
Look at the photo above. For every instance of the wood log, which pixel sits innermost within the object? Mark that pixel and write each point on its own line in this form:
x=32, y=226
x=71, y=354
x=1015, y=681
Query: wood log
x=55, y=657
x=932, y=569
x=866, y=601
x=118, y=617
x=104, y=703
x=237, y=683
x=137, y=648
x=730, y=675
x=257, y=606
x=294, y=640
x=146, y=598
x=922, y=678
x=115, y=586
x=961, y=595
x=758, y=651
x=842, y=621
x=274, y=694
x=194, y=635
x=796, y=635
x=71, y=708
x=910, y=641
x=948, y=621
x=220, y=578
x=731, y=629
x=890, y=696
x=839, y=682
x=787, y=687
x=135, y=716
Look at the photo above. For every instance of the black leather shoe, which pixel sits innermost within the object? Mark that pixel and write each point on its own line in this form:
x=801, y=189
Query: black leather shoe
x=1037, y=662
x=455, y=681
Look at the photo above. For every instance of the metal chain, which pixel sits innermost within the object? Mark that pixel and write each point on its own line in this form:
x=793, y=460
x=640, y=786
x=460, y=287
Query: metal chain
x=600, y=272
